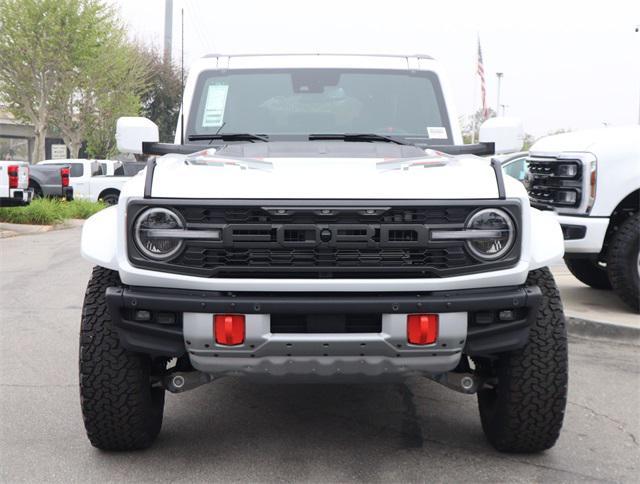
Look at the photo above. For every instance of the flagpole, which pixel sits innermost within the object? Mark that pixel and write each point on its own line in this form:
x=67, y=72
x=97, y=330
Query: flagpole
x=475, y=97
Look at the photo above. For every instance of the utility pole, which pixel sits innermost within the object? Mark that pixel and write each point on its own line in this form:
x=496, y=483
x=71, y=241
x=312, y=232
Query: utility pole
x=499, y=76
x=168, y=29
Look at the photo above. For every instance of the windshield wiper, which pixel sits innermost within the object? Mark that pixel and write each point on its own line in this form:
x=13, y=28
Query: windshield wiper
x=229, y=137
x=364, y=137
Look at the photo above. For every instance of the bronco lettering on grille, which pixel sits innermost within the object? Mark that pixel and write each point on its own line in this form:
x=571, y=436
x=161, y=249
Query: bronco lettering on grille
x=324, y=235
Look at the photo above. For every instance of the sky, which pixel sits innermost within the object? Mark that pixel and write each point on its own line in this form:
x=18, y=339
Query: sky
x=566, y=64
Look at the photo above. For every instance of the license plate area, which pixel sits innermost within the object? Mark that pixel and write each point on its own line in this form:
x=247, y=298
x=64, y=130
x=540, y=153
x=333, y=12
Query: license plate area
x=326, y=323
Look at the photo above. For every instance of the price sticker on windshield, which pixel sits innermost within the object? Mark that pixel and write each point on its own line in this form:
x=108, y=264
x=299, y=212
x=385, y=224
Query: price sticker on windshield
x=437, y=132
x=215, y=105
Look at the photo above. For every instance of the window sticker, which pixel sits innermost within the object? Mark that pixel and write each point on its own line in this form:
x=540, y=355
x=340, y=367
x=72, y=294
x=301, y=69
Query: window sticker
x=437, y=132
x=214, y=107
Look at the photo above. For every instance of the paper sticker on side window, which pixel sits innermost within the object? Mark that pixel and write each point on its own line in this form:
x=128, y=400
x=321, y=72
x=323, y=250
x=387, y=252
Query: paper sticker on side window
x=214, y=107
x=438, y=132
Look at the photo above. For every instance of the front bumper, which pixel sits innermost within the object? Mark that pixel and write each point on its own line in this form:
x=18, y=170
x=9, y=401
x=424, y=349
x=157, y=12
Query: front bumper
x=469, y=324
x=583, y=235
x=18, y=197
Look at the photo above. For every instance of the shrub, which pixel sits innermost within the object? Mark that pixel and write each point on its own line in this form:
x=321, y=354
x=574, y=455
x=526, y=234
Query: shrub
x=49, y=211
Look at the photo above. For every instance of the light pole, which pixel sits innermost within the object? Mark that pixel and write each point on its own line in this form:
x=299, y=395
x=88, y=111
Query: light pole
x=499, y=76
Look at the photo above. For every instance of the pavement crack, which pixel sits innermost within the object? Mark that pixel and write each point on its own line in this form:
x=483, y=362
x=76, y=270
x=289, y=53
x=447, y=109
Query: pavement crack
x=621, y=425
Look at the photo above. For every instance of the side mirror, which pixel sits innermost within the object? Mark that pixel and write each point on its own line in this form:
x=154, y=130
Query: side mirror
x=132, y=131
x=506, y=133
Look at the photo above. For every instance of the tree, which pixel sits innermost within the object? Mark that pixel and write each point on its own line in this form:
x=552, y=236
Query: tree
x=528, y=141
x=161, y=100
x=66, y=63
x=35, y=36
x=471, y=128
x=101, y=90
x=104, y=84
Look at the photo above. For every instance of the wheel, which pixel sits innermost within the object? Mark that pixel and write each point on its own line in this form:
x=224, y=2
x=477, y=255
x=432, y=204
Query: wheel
x=524, y=409
x=589, y=272
x=623, y=262
x=37, y=191
x=110, y=198
x=121, y=410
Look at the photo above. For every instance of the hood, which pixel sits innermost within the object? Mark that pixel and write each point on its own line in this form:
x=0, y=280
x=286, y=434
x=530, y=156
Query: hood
x=434, y=176
x=623, y=138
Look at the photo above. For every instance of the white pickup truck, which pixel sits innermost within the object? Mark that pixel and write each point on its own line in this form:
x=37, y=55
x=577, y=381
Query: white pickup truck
x=319, y=219
x=591, y=179
x=14, y=184
x=89, y=180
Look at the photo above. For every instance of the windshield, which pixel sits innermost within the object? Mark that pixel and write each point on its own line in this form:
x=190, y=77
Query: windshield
x=315, y=101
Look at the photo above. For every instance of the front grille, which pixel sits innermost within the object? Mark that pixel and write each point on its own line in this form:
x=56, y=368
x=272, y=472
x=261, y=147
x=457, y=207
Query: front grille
x=267, y=215
x=333, y=241
x=327, y=262
x=326, y=323
x=546, y=185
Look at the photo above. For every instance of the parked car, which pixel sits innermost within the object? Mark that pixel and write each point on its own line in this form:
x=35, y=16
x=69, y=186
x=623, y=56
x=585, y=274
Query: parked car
x=515, y=165
x=89, y=180
x=592, y=179
x=50, y=181
x=14, y=184
x=328, y=237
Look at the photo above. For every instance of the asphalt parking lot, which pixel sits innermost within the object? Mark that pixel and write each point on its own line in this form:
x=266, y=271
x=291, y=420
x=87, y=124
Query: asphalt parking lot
x=233, y=431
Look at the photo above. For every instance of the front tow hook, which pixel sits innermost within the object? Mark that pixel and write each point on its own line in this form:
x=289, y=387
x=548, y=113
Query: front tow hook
x=181, y=381
x=460, y=382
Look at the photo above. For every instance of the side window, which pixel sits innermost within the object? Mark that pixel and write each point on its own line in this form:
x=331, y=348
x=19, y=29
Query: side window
x=96, y=169
x=77, y=170
x=517, y=169
x=103, y=167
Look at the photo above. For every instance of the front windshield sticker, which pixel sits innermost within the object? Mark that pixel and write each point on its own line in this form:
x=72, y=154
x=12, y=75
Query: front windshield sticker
x=438, y=132
x=214, y=107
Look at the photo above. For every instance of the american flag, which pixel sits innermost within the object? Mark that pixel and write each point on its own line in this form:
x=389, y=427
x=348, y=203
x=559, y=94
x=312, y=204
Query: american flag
x=483, y=87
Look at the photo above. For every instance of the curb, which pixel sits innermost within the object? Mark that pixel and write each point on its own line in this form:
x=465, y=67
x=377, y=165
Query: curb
x=597, y=329
x=8, y=230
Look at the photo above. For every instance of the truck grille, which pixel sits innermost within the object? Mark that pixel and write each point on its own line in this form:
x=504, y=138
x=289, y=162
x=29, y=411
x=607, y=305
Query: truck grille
x=550, y=187
x=332, y=241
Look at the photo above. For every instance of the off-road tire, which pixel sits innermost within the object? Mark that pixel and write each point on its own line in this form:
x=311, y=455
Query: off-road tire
x=589, y=272
x=523, y=412
x=622, y=262
x=111, y=198
x=121, y=410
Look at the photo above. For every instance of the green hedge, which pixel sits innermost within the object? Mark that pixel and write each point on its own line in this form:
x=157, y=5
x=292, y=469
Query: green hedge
x=49, y=211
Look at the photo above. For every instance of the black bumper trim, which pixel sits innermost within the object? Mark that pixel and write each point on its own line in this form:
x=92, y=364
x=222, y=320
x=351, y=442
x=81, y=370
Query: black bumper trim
x=485, y=339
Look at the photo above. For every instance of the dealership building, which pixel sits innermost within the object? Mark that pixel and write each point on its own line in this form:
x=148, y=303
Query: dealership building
x=17, y=141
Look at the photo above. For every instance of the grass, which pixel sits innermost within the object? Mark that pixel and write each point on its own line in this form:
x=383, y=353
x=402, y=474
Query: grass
x=49, y=211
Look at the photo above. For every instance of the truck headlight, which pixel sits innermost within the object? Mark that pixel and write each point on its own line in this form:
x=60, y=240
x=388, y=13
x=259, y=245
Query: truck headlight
x=566, y=170
x=500, y=233
x=566, y=197
x=156, y=233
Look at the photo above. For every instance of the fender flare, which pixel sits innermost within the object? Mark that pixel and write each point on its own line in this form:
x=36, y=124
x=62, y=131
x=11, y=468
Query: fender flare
x=547, y=242
x=99, y=238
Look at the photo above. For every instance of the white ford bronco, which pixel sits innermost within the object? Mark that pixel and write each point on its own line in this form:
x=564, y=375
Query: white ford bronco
x=592, y=179
x=318, y=219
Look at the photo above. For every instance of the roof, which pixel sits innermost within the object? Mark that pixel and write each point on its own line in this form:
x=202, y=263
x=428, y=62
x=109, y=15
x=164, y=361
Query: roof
x=417, y=56
x=315, y=60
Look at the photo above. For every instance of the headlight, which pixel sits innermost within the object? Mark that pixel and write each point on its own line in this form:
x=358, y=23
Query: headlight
x=566, y=197
x=154, y=233
x=499, y=233
x=566, y=170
